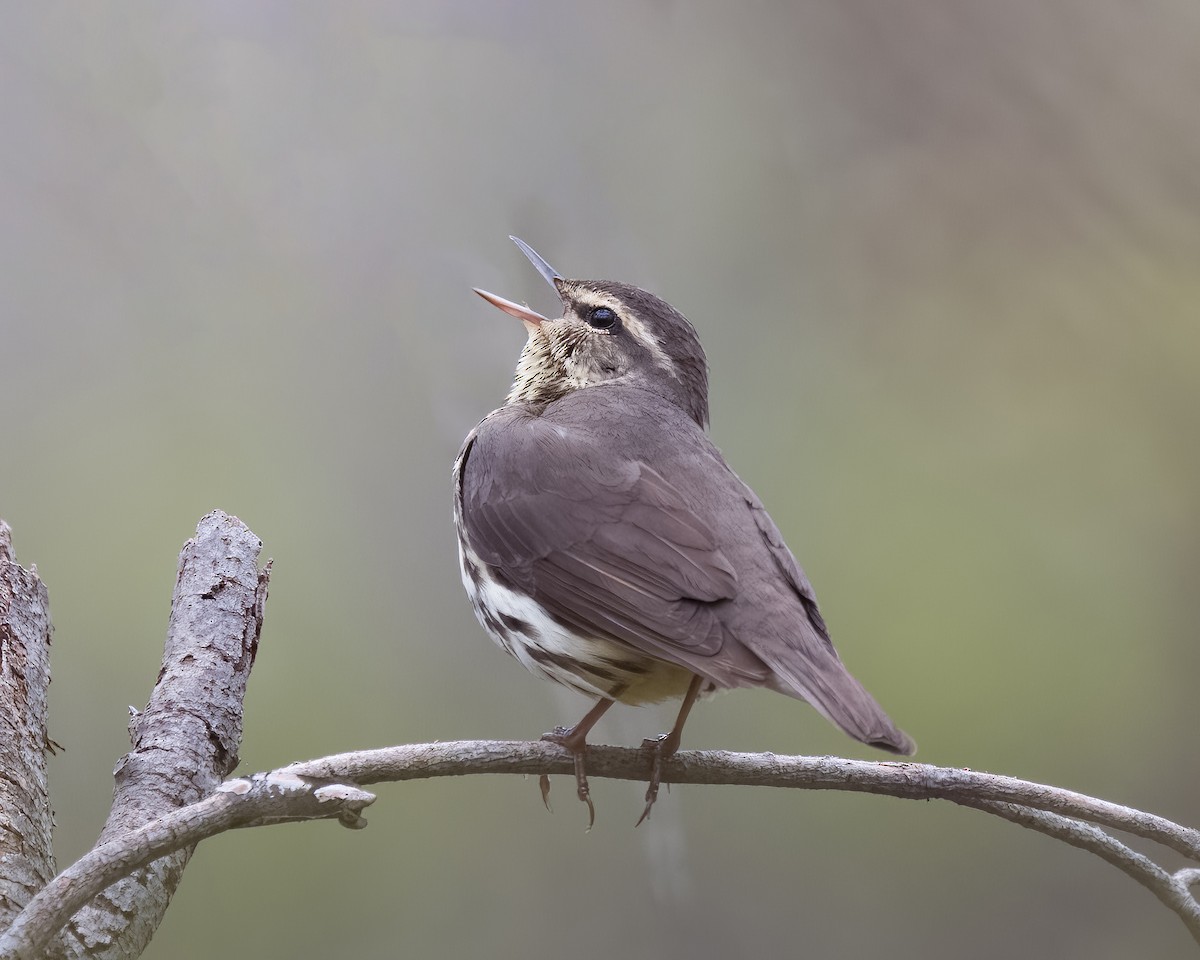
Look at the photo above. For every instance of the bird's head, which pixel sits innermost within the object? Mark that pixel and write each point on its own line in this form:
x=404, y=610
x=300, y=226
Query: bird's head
x=608, y=332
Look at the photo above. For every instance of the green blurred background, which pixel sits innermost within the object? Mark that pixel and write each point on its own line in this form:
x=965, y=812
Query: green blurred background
x=943, y=256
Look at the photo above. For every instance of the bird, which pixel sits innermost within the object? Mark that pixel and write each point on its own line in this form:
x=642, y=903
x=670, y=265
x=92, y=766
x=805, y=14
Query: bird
x=605, y=543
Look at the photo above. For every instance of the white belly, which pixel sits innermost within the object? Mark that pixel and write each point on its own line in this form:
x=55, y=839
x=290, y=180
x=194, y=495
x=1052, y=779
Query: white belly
x=594, y=666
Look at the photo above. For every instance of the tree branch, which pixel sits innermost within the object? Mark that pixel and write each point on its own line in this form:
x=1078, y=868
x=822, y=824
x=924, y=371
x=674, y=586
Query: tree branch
x=186, y=740
x=169, y=794
x=1172, y=889
x=327, y=788
x=255, y=801
x=26, y=821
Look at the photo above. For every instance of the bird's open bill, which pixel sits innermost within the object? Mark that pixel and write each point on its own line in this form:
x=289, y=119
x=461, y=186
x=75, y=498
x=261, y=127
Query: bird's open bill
x=531, y=318
x=549, y=274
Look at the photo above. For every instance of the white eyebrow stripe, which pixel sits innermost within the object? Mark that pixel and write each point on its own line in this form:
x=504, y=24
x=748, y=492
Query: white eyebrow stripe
x=639, y=330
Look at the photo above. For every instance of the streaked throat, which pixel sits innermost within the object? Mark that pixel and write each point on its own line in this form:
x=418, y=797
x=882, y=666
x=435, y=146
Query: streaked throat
x=545, y=373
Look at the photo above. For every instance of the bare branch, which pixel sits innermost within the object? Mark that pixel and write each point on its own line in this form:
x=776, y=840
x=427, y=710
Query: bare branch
x=916, y=781
x=169, y=794
x=1172, y=890
x=255, y=801
x=295, y=793
x=186, y=741
x=26, y=822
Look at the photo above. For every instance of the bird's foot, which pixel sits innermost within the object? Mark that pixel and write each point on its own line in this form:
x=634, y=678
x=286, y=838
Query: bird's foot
x=660, y=748
x=569, y=738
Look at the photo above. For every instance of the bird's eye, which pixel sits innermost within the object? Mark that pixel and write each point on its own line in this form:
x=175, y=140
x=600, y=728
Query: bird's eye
x=601, y=318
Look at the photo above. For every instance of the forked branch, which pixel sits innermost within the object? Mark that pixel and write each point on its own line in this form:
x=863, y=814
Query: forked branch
x=330, y=788
x=170, y=796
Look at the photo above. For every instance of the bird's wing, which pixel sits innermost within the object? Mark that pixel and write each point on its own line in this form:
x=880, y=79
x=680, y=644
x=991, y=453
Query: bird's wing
x=608, y=546
x=618, y=548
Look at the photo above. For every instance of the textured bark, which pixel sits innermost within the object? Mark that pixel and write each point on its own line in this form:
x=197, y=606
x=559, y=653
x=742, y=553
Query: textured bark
x=277, y=797
x=169, y=793
x=26, y=821
x=328, y=787
x=186, y=741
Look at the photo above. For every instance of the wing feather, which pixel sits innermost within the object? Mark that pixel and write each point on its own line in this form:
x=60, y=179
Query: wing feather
x=609, y=546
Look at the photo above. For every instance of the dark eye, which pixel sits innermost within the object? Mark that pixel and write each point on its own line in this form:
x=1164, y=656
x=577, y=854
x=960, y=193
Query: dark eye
x=601, y=318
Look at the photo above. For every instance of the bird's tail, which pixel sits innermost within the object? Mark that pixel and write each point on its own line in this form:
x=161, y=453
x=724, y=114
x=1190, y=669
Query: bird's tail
x=811, y=670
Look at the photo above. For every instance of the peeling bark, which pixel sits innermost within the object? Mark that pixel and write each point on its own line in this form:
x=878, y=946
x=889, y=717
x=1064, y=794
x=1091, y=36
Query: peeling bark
x=26, y=820
x=186, y=740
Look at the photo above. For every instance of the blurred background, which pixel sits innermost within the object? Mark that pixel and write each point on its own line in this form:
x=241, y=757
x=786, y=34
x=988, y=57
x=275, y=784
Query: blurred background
x=943, y=256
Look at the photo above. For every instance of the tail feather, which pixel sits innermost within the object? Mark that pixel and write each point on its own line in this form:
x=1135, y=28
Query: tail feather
x=818, y=676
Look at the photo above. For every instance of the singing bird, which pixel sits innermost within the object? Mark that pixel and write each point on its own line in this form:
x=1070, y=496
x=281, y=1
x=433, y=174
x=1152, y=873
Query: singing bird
x=605, y=543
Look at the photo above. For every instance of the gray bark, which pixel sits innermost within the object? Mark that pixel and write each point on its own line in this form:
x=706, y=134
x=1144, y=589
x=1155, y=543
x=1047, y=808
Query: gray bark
x=186, y=740
x=184, y=743
x=328, y=787
x=26, y=821
x=170, y=794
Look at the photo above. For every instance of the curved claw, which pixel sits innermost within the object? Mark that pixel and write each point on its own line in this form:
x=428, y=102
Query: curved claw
x=655, y=747
x=574, y=739
x=569, y=739
x=664, y=747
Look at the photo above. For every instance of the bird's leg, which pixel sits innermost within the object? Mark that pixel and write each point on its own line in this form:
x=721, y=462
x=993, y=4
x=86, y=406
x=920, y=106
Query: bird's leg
x=575, y=739
x=664, y=747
